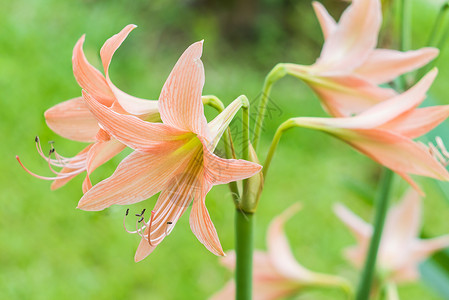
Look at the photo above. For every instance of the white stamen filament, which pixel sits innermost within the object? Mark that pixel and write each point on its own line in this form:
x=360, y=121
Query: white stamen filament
x=76, y=164
x=439, y=151
x=139, y=230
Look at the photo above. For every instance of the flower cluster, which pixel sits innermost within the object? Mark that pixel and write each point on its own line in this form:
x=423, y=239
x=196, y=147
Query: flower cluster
x=173, y=146
x=277, y=274
x=174, y=156
x=373, y=119
x=401, y=249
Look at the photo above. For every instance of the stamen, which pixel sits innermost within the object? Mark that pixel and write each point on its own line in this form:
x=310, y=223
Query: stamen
x=439, y=151
x=166, y=228
x=51, y=164
x=124, y=223
x=436, y=154
x=149, y=229
x=138, y=230
x=441, y=146
x=44, y=177
x=60, y=161
x=141, y=214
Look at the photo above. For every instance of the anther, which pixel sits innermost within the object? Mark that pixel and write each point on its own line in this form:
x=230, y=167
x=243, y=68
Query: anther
x=166, y=228
x=36, y=139
x=141, y=214
x=124, y=223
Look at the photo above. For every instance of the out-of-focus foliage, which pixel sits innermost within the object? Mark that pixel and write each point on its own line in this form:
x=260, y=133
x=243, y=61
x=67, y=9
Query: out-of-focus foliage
x=50, y=250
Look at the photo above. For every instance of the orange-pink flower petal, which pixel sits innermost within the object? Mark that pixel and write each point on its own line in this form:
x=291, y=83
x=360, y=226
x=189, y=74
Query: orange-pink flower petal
x=353, y=39
x=139, y=176
x=73, y=120
x=384, y=65
x=130, y=130
x=133, y=105
x=89, y=78
x=180, y=102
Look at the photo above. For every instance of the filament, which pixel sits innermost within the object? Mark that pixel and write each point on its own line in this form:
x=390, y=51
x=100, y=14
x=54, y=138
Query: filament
x=439, y=151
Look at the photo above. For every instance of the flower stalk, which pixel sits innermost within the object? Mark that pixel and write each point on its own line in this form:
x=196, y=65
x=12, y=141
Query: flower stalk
x=244, y=231
x=274, y=143
x=381, y=205
x=275, y=74
x=405, y=36
x=244, y=223
x=405, y=22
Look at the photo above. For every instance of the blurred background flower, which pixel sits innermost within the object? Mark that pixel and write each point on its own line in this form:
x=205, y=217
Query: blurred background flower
x=50, y=250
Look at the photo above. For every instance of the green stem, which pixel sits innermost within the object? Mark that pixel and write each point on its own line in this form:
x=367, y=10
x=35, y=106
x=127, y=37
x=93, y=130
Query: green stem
x=244, y=225
x=434, y=40
x=245, y=128
x=233, y=187
x=275, y=74
x=381, y=205
x=245, y=144
x=214, y=102
x=405, y=40
x=443, y=41
x=438, y=23
x=274, y=143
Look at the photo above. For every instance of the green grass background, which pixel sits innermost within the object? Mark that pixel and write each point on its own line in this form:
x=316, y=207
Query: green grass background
x=50, y=250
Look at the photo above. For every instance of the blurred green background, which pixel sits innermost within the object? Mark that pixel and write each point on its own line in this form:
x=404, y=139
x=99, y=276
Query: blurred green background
x=50, y=250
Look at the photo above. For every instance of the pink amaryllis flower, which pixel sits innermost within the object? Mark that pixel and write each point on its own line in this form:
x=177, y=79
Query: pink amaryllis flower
x=401, y=249
x=277, y=274
x=174, y=157
x=73, y=120
x=349, y=69
x=385, y=132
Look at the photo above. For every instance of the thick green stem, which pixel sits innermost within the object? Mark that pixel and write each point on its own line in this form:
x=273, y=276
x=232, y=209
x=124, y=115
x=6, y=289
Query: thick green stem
x=244, y=225
x=381, y=206
x=275, y=74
